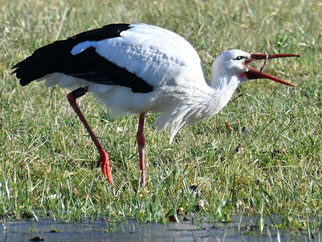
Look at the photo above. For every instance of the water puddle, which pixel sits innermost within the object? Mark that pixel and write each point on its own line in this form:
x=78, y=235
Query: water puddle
x=241, y=230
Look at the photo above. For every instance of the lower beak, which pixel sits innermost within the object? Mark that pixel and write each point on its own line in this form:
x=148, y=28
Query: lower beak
x=258, y=74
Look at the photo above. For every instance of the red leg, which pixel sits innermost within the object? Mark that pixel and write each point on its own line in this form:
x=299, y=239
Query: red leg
x=104, y=160
x=141, y=144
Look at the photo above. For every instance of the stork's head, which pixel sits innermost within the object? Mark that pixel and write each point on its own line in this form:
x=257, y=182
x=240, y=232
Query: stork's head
x=234, y=63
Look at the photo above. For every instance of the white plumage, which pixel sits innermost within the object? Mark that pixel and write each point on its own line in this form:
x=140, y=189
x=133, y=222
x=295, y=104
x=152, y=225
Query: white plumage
x=161, y=59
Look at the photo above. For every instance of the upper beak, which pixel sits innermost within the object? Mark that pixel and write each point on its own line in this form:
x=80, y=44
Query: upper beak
x=256, y=74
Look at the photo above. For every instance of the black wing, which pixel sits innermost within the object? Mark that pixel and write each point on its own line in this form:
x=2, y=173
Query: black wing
x=88, y=64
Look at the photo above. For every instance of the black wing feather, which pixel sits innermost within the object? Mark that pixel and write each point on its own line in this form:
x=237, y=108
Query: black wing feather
x=88, y=65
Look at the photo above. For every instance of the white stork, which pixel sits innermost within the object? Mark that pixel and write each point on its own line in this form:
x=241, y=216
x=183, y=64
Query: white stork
x=139, y=68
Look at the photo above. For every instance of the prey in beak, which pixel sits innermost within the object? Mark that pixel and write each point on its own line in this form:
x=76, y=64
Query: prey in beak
x=257, y=74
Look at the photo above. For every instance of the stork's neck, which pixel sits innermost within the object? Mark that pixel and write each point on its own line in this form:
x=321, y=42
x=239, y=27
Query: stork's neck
x=213, y=98
x=201, y=102
x=223, y=85
x=223, y=81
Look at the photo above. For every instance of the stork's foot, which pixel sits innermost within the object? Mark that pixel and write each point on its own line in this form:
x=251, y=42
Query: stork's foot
x=104, y=163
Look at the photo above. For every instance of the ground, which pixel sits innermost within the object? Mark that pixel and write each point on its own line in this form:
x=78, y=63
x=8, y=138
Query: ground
x=47, y=160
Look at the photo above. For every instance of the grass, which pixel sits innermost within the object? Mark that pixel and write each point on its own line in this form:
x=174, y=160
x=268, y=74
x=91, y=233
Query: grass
x=47, y=159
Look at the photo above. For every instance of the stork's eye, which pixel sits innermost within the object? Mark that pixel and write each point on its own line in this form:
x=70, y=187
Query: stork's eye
x=240, y=57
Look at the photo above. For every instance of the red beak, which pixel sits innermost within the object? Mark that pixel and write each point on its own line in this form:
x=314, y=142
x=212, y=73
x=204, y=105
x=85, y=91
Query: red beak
x=255, y=74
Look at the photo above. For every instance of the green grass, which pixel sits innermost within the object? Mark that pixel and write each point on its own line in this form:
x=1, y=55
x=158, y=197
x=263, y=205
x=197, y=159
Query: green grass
x=47, y=160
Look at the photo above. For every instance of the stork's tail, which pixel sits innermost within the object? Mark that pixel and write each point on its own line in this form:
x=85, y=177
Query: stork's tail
x=42, y=62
